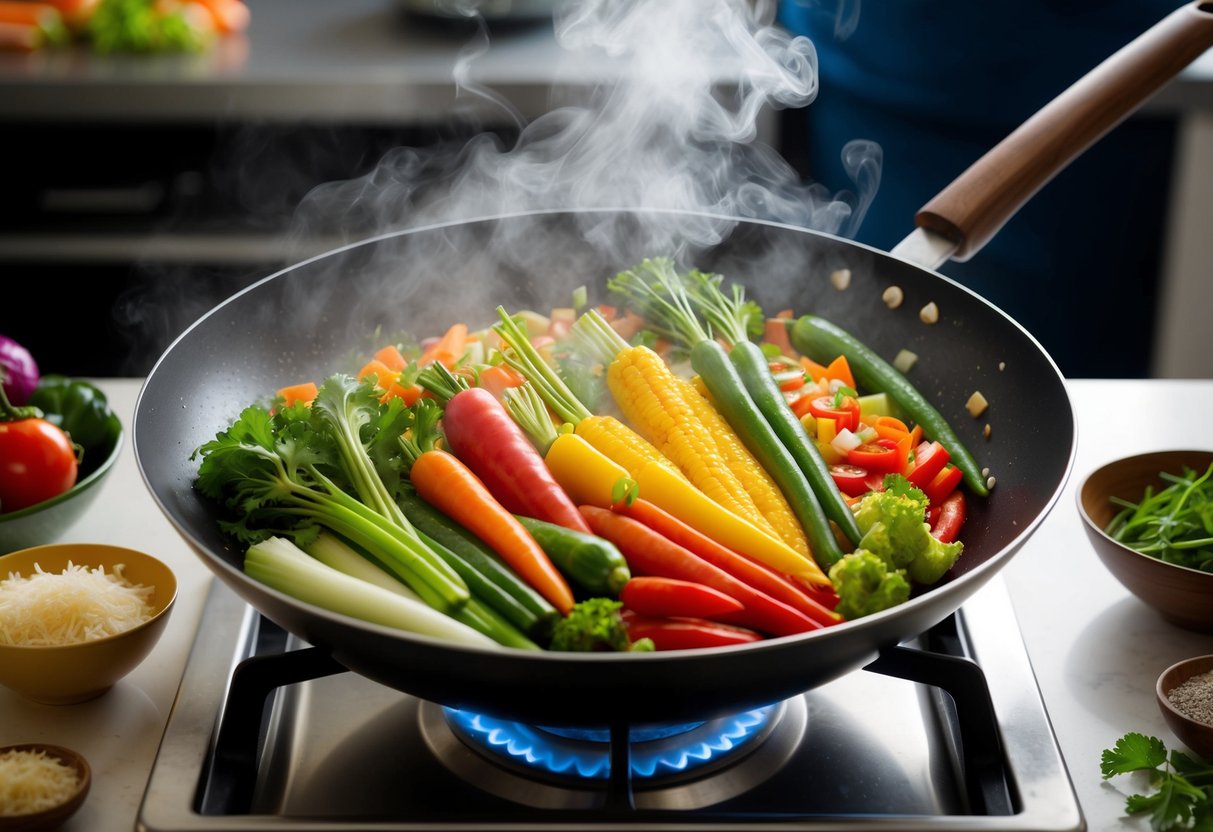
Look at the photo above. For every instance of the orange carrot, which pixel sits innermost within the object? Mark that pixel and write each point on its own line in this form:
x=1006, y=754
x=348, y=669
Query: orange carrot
x=391, y=358
x=304, y=393
x=449, y=348
x=227, y=15
x=450, y=486
x=499, y=378
x=383, y=373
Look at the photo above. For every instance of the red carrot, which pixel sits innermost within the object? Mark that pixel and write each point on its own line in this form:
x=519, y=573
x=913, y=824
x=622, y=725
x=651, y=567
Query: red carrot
x=685, y=633
x=648, y=552
x=450, y=486
x=666, y=597
x=760, y=577
x=480, y=432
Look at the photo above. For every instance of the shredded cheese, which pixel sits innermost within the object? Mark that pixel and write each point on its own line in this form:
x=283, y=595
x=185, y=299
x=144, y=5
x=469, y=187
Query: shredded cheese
x=32, y=781
x=75, y=605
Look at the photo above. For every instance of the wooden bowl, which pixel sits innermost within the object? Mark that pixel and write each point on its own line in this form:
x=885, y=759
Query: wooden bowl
x=70, y=673
x=1181, y=595
x=55, y=816
x=1198, y=736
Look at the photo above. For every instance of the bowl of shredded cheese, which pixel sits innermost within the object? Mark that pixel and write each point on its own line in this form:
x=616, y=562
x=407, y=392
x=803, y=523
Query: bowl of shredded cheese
x=41, y=786
x=77, y=617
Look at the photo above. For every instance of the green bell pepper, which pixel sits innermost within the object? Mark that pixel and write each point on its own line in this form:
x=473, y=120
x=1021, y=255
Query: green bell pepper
x=77, y=407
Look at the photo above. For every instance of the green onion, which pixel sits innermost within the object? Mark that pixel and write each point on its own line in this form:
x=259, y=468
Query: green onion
x=1174, y=524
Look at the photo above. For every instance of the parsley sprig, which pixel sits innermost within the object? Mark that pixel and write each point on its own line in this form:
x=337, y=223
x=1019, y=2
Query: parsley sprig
x=1182, y=796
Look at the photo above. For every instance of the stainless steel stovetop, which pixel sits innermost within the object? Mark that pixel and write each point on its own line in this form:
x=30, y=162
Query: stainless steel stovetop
x=947, y=732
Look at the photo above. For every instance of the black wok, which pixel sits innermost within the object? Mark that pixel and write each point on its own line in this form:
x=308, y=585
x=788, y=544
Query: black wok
x=309, y=320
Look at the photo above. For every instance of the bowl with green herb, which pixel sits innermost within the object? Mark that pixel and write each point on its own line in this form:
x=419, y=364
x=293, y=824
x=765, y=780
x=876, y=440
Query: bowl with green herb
x=1150, y=520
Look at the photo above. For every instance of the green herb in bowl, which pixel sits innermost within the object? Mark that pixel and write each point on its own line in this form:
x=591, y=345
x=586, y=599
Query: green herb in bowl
x=1173, y=523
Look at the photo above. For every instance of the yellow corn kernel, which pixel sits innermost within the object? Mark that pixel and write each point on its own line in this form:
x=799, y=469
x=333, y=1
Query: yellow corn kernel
x=659, y=405
x=619, y=442
x=764, y=493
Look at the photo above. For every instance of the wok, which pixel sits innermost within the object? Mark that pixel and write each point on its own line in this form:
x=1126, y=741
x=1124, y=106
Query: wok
x=310, y=319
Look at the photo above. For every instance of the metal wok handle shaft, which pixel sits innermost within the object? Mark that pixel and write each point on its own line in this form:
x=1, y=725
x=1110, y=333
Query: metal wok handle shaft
x=971, y=210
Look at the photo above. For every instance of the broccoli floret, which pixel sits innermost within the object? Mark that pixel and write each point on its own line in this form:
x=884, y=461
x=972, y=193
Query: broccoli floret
x=894, y=528
x=865, y=584
x=595, y=625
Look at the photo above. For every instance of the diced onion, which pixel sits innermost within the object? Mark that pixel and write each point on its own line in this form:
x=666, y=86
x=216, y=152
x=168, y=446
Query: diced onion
x=976, y=404
x=845, y=441
x=905, y=360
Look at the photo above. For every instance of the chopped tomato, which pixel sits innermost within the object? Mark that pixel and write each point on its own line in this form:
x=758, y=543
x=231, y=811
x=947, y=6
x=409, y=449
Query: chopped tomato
x=929, y=460
x=948, y=517
x=855, y=481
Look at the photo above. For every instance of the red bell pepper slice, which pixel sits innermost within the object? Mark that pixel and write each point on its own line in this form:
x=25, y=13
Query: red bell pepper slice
x=685, y=633
x=845, y=413
x=944, y=483
x=884, y=456
x=669, y=597
x=929, y=460
x=949, y=517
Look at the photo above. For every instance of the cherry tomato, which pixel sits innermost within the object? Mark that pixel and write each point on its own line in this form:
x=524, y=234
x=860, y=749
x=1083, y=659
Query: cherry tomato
x=37, y=462
x=855, y=481
x=845, y=414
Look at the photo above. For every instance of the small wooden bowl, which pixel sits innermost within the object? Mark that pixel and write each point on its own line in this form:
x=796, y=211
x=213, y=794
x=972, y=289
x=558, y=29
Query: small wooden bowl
x=1181, y=595
x=55, y=816
x=1197, y=736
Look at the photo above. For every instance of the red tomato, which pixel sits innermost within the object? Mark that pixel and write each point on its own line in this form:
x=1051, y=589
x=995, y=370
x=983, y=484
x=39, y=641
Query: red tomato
x=855, y=481
x=846, y=414
x=37, y=462
x=944, y=483
x=949, y=516
x=929, y=459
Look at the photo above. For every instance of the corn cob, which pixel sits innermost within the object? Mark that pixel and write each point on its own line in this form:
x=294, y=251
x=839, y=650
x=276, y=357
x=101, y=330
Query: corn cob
x=768, y=499
x=622, y=444
x=668, y=412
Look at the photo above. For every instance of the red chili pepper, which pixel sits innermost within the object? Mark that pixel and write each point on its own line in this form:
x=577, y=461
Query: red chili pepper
x=480, y=432
x=814, y=602
x=845, y=413
x=685, y=633
x=951, y=516
x=650, y=553
x=884, y=456
x=929, y=459
x=669, y=597
x=944, y=483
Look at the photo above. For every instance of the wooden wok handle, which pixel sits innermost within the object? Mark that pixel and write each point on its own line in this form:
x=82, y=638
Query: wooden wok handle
x=972, y=209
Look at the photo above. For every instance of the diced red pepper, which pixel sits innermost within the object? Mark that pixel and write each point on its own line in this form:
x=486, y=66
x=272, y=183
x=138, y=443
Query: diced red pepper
x=670, y=597
x=929, y=460
x=845, y=413
x=944, y=483
x=949, y=517
x=884, y=456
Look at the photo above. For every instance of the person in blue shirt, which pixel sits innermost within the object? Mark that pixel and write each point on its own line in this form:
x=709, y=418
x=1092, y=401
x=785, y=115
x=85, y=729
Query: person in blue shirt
x=937, y=83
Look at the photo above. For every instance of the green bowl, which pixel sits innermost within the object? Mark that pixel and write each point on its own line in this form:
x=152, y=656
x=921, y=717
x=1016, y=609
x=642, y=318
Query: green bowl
x=47, y=521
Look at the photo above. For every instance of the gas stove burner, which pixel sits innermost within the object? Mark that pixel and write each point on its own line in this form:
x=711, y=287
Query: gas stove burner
x=687, y=765
x=657, y=751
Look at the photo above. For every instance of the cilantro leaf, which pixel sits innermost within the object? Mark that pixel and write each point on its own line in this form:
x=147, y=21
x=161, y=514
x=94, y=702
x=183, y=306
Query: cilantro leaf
x=1133, y=752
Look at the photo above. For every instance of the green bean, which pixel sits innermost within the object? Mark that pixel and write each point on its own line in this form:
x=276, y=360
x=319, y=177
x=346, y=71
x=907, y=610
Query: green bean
x=823, y=341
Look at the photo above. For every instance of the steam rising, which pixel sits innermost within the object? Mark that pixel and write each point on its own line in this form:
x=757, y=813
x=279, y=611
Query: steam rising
x=673, y=133
x=675, y=130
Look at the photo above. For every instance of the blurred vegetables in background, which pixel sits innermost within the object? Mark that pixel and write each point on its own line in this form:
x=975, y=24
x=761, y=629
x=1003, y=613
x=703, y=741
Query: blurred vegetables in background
x=109, y=26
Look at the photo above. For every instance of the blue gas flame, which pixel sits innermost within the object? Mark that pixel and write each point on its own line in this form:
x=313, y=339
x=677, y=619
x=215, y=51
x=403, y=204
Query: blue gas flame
x=585, y=753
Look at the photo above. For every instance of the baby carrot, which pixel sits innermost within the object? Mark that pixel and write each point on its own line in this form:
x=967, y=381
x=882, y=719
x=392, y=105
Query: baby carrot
x=450, y=486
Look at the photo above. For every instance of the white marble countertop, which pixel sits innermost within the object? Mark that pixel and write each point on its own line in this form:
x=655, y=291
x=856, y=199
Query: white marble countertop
x=1095, y=649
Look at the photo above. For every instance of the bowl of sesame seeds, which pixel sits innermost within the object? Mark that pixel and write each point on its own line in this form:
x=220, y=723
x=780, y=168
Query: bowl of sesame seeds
x=1185, y=696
